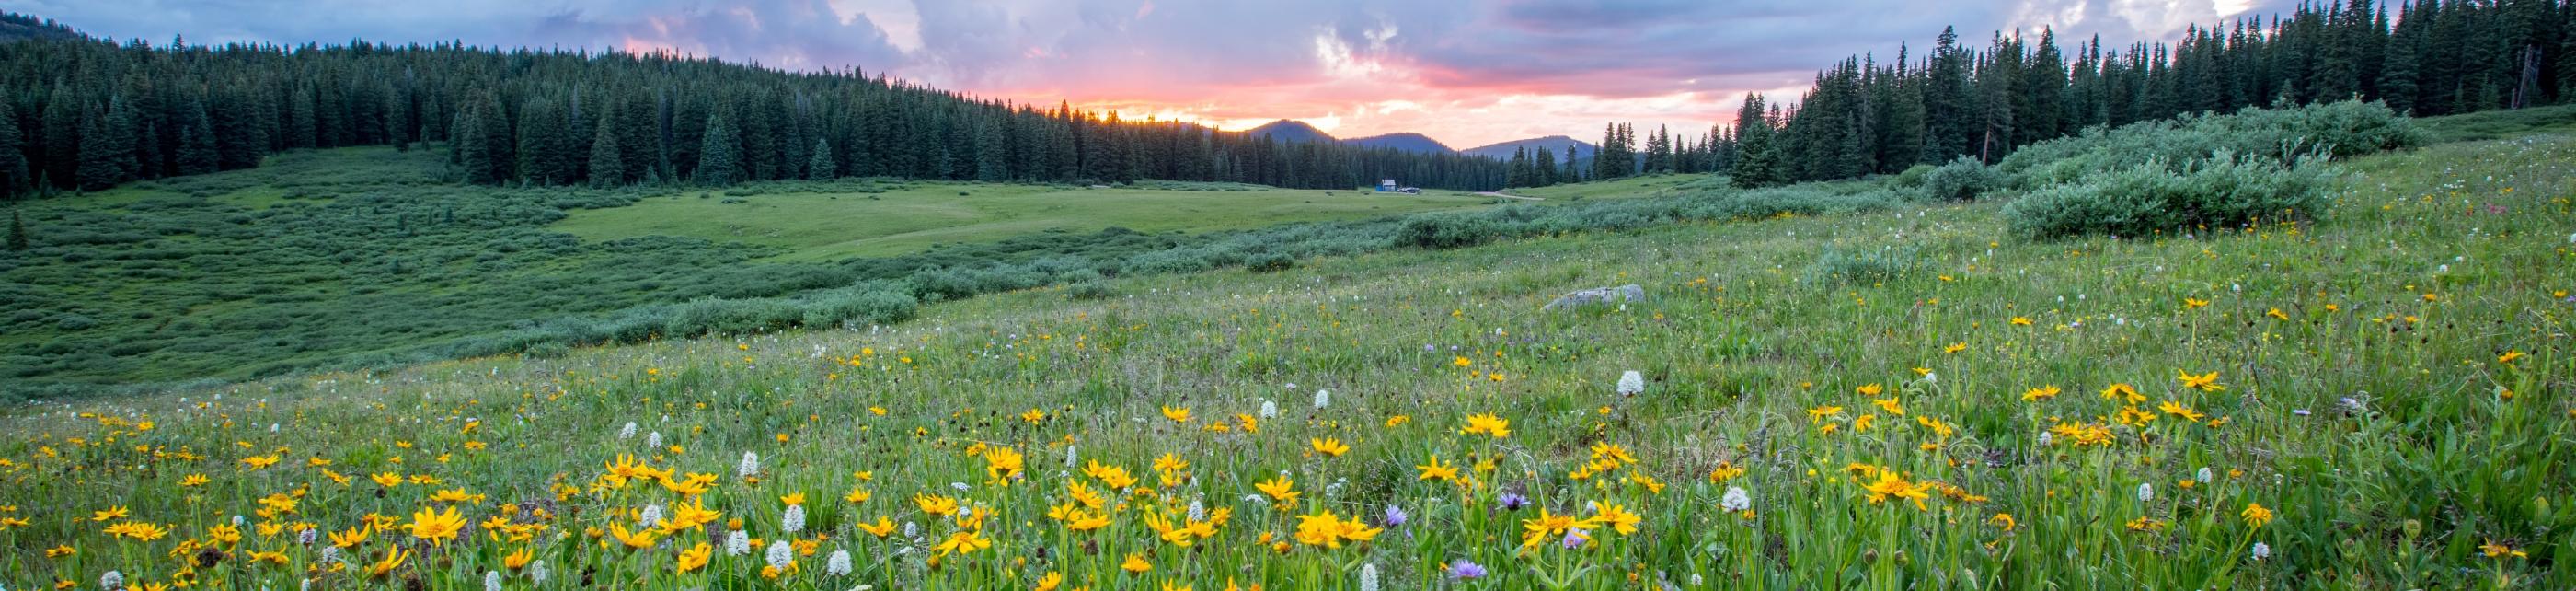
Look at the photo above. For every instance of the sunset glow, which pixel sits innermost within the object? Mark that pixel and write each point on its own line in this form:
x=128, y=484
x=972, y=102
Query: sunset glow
x=1466, y=75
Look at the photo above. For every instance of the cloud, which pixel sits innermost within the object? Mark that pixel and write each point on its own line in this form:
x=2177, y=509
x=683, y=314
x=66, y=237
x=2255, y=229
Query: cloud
x=1467, y=72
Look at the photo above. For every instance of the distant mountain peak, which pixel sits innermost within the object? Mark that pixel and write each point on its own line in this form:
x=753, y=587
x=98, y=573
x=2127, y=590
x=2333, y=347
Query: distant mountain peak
x=1554, y=143
x=1290, y=130
x=1407, y=141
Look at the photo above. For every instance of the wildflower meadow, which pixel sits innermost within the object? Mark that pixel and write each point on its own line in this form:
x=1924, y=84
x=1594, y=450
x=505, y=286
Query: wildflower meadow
x=1916, y=397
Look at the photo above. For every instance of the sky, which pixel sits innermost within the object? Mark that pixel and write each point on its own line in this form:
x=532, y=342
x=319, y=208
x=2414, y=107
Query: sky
x=1465, y=72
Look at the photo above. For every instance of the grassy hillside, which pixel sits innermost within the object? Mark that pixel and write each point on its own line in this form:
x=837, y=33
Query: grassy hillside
x=915, y=216
x=370, y=256
x=1907, y=398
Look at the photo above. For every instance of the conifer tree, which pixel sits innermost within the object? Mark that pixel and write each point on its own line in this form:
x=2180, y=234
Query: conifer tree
x=718, y=153
x=17, y=230
x=607, y=161
x=13, y=163
x=819, y=164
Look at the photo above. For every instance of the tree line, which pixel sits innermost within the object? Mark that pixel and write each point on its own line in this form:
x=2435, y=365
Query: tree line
x=88, y=114
x=1862, y=116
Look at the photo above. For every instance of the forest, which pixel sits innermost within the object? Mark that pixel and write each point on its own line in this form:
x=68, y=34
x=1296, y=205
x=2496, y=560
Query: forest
x=88, y=114
x=1864, y=116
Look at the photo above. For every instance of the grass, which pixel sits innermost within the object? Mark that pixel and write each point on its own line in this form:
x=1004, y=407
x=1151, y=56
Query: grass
x=2391, y=387
x=374, y=257
x=2488, y=125
x=1640, y=186
x=917, y=215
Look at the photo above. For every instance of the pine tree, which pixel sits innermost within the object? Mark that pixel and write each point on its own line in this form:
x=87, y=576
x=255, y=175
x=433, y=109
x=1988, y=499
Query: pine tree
x=17, y=230
x=1757, y=164
x=13, y=163
x=1946, y=109
x=819, y=164
x=607, y=164
x=107, y=149
x=197, y=153
x=718, y=153
x=2398, y=72
x=1543, y=168
x=59, y=138
x=546, y=146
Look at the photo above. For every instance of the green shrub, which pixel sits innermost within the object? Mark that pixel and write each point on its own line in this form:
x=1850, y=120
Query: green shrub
x=727, y=317
x=2284, y=136
x=1837, y=266
x=861, y=308
x=1089, y=289
x=1960, y=180
x=1269, y=262
x=1912, y=177
x=1179, y=260
x=2154, y=197
x=1447, y=230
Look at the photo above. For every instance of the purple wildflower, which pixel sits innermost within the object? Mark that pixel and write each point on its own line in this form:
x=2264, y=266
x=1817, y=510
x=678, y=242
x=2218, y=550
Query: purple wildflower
x=1514, y=501
x=1394, y=516
x=1465, y=569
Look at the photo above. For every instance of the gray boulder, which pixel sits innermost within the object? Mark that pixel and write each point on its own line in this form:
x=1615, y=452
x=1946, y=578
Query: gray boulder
x=1599, y=295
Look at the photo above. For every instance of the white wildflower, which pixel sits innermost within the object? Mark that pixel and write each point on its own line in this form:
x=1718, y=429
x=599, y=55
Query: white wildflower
x=1736, y=500
x=1071, y=457
x=794, y=520
x=2146, y=491
x=839, y=564
x=750, y=465
x=650, y=516
x=537, y=572
x=1323, y=398
x=491, y=580
x=781, y=554
x=628, y=432
x=2262, y=551
x=737, y=544
x=1631, y=383
x=1269, y=410
x=653, y=440
x=2203, y=476
x=1368, y=577
x=111, y=581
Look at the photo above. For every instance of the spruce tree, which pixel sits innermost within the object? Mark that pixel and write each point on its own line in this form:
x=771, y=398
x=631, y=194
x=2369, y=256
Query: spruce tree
x=107, y=150
x=60, y=134
x=718, y=153
x=819, y=164
x=13, y=163
x=1544, y=168
x=17, y=230
x=607, y=168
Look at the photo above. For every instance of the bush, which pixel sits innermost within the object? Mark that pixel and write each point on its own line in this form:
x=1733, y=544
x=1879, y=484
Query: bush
x=2153, y=197
x=867, y=307
x=1438, y=231
x=725, y=317
x=1178, y=260
x=1090, y=289
x=1913, y=176
x=1837, y=266
x=2281, y=136
x=1269, y=262
x=1961, y=180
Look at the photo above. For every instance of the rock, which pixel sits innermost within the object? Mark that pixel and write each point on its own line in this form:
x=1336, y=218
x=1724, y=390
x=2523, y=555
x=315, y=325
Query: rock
x=1599, y=295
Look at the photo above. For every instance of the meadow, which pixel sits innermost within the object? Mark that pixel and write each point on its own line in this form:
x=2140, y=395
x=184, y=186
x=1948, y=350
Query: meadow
x=824, y=226
x=370, y=257
x=1881, y=394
